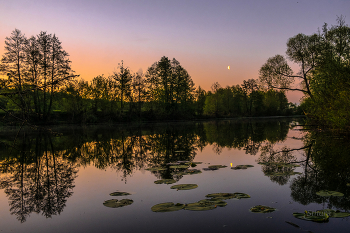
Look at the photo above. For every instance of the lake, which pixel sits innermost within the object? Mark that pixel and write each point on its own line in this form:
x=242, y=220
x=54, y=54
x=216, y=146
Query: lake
x=62, y=181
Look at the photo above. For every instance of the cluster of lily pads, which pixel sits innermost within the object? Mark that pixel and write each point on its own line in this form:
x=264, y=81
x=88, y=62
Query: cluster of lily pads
x=115, y=203
x=238, y=167
x=262, y=209
x=184, y=186
x=213, y=200
x=175, y=165
x=214, y=167
x=321, y=215
x=327, y=193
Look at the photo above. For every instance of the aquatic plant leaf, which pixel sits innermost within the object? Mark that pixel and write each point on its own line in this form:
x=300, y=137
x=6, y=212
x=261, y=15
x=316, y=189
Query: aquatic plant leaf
x=114, y=203
x=222, y=196
x=312, y=216
x=183, y=162
x=179, y=151
x=200, y=206
x=179, y=166
x=262, y=209
x=217, y=166
x=215, y=201
x=173, y=164
x=167, y=207
x=214, y=167
x=184, y=186
x=241, y=195
x=119, y=194
x=335, y=213
x=340, y=215
x=189, y=172
x=165, y=181
x=194, y=163
x=209, y=169
x=238, y=167
x=327, y=193
x=152, y=169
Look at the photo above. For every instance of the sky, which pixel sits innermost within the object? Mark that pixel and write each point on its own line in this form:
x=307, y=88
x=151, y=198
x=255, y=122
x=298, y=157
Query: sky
x=204, y=36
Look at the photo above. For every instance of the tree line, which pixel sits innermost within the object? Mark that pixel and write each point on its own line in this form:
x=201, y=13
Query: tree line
x=38, y=85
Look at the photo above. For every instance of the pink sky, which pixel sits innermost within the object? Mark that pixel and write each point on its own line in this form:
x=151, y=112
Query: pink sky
x=204, y=36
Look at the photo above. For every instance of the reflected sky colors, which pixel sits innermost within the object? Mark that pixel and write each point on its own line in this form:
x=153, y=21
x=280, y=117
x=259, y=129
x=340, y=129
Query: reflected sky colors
x=204, y=36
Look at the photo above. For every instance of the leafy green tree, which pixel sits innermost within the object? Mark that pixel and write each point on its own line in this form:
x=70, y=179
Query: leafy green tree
x=199, y=96
x=35, y=68
x=12, y=65
x=170, y=87
x=123, y=81
x=139, y=90
x=323, y=59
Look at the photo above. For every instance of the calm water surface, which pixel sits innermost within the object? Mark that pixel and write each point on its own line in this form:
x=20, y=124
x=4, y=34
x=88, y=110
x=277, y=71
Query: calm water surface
x=58, y=183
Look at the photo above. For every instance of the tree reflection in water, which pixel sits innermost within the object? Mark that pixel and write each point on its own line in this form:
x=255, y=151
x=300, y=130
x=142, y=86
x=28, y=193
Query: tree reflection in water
x=38, y=175
x=326, y=167
x=37, y=178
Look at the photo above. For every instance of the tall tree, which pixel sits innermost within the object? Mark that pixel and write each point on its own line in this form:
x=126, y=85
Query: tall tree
x=12, y=65
x=123, y=80
x=36, y=68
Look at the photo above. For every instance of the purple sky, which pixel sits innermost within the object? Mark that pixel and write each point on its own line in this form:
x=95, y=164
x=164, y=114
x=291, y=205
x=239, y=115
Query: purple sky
x=204, y=36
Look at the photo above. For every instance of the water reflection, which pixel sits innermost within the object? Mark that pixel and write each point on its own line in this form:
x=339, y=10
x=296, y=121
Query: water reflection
x=326, y=167
x=38, y=173
x=36, y=178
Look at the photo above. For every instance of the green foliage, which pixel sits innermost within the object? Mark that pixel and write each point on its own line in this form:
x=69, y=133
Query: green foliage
x=249, y=99
x=324, y=60
x=40, y=86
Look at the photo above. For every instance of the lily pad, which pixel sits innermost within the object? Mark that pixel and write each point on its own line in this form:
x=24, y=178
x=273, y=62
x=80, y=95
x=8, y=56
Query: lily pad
x=179, y=166
x=217, y=166
x=241, y=195
x=200, y=206
x=335, y=213
x=194, y=162
x=119, y=194
x=262, y=209
x=209, y=169
x=183, y=162
x=189, y=172
x=165, y=181
x=214, y=167
x=238, y=167
x=173, y=164
x=215, y=201
x=153, y=169
x=326, y=193
x=167, y=207
x=312, y=216
x=184, y=186
x=224, y=196
x=114, y=203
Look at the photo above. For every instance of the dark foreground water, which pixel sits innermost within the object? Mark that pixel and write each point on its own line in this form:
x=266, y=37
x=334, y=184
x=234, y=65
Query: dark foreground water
x=58, y=183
